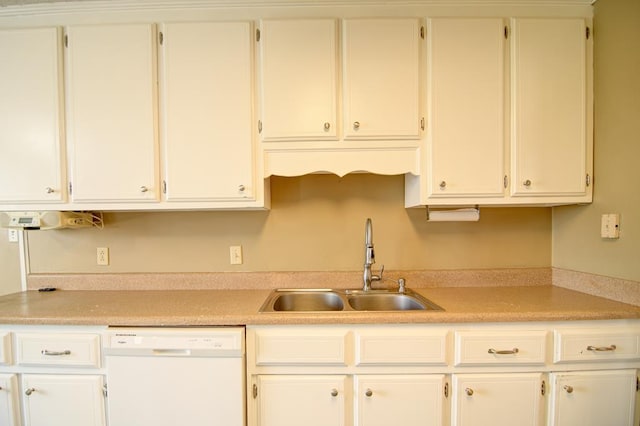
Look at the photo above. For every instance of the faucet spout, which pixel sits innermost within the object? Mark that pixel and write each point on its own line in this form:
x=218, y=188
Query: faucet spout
x=369, y=256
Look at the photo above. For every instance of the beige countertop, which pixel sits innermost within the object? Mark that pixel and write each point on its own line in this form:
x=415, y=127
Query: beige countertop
x=239, y=307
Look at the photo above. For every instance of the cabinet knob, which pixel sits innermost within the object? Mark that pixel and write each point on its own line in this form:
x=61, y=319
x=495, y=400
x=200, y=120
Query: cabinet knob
x=527, y=183
x=356, y=125
x=327, y=125
x=29, y=391
x=568, y=388
x=144, y=189
x=49, y=190
x=242, y=188
x=334, y=392
x=468, y=391
x=443, y=184
x=368, y=393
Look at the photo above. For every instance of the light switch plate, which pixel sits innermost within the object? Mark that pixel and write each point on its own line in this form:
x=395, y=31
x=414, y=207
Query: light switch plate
x=13, y=235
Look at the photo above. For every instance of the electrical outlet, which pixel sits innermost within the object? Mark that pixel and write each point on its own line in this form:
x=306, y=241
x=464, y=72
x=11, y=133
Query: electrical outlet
x=610, y=226
x=13, y=235
x=235, y=255
x=102, y=256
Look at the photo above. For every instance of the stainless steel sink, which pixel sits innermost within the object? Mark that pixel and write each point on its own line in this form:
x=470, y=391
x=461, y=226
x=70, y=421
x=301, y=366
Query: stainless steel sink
x=328, y=300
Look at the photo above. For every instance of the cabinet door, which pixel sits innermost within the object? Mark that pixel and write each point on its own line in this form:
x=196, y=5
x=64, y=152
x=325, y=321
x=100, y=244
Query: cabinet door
x=302, y=400
x=31, y=165
x=465, y=143
x=9, y=411
x=498, y=399
x=52, y=400
x=298, y=73
x=593, y=398
x=111, y=94
x=407, y=400
x=207, y=123
x=381, y=78
x=549, y=101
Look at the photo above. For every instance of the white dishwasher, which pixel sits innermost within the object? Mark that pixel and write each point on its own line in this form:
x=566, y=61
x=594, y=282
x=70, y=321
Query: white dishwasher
x=175, y=376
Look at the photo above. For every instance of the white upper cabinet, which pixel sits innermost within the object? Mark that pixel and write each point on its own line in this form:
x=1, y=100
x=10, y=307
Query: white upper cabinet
x=31, y=140
x=299, y=79
x=381, y=78
x=111, y=113
x=551, y=153
x=466, y=97
x=206, y=96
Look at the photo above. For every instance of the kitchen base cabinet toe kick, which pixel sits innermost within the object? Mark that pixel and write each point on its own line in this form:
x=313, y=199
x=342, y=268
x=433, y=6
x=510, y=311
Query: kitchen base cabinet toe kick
x=535, y=373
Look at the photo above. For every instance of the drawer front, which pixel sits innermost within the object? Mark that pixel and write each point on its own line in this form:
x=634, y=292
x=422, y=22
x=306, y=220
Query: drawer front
x=301, y=347
x=5, y=348
x=500, y=347
x=73, y=350
x=399, y=347
x=596, y=345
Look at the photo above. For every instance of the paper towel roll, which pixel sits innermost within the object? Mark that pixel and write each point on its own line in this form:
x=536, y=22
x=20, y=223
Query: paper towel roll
x=453, y=215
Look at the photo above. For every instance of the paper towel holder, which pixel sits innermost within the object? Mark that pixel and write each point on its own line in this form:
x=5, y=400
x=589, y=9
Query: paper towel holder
x=455, y=214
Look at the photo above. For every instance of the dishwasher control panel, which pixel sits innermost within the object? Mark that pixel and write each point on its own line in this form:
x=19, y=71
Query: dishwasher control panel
x=175, y=341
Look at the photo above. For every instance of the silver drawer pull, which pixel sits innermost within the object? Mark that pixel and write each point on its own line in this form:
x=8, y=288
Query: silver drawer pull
x=47, y=352
x=29, y=391
x=602, y=348
x=505, y=352
x=334, y=392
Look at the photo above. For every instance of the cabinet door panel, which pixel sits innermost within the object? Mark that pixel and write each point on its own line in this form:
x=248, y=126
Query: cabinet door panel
x=549, y=84
x=593, y=398
x=207, y=112
x=111, y=86
x=497, y=399
x=302, y=400
x=381, y=78
x=9, y=411
x=407, y=400
x=70, y=400
x=299, y=86
x=466, y=143
x=30, y=119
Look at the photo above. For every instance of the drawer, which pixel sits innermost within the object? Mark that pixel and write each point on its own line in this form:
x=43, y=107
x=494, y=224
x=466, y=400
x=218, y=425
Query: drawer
x=5, y=348
x=401, y=347
x=500, y=347
x=73, y=350
x=301, y=346
x=597, y=344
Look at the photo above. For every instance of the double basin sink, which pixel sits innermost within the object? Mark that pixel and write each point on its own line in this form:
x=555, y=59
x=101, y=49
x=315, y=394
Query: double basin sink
x=328, y=300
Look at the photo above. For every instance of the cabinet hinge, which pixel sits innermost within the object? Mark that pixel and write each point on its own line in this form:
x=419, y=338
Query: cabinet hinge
x=255, y=391
x=161, y=38
x=259, y=126
x=588, y=180
x=423, y=32
x=104, y=390
x=506, y=32
x=637, y=384
x=446, y=390
x=587, y=32
x=543, y=388
x=422, y=123
x=164, y=186
x=257, y=34
x=70, y=188
x=505, y=181
x=66, y=40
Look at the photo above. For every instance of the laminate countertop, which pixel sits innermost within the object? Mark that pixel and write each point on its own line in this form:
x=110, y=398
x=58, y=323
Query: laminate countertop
x=241, y=307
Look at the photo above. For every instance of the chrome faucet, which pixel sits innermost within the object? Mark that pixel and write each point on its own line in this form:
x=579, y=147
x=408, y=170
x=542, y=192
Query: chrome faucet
x=369, y=258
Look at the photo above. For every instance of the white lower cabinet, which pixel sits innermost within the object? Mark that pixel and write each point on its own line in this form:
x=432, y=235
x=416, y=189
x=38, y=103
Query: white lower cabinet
x=9, y=411
x=72, y=400
x=498, y=399
x=593, y=398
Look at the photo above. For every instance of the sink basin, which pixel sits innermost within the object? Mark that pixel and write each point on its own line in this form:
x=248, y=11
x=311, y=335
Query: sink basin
x=328, y=300
x=385, y=302
x=305, y=301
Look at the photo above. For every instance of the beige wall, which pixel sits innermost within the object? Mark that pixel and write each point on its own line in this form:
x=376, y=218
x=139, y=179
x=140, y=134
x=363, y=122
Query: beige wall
x=576, y=230
x=9, y=265
x=316, y=223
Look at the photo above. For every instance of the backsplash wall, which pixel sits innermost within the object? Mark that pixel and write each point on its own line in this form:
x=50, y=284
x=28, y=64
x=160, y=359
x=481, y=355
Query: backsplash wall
x=316, y=224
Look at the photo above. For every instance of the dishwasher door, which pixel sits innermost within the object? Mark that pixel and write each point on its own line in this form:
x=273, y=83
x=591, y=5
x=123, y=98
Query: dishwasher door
x=175, y=377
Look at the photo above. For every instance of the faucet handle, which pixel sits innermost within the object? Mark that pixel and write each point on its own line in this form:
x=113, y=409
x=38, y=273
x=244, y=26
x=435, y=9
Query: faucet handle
x=401, y=285
x=378, y=277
